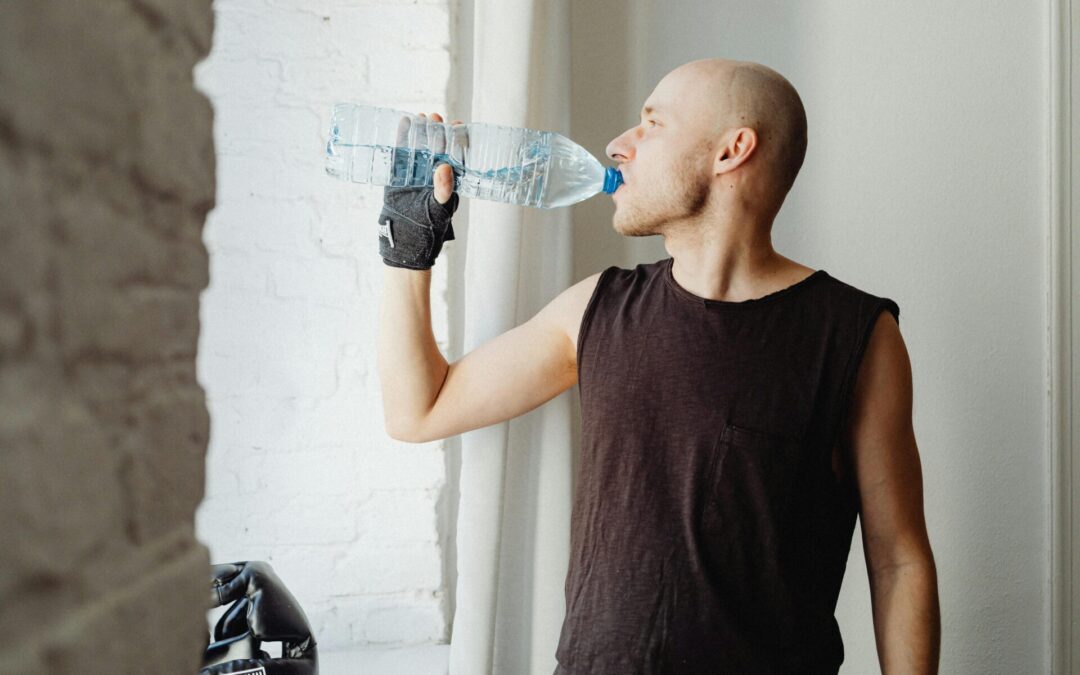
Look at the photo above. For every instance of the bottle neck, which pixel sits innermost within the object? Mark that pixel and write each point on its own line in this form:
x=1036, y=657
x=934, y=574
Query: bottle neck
x=612, y=180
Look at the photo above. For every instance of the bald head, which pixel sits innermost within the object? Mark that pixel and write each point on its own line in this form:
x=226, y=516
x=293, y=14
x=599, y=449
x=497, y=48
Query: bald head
x=718, y=147
x=723, y=95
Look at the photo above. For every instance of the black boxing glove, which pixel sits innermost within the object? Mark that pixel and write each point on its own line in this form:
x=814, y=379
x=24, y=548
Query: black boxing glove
x=413, y=226
x=262, y=610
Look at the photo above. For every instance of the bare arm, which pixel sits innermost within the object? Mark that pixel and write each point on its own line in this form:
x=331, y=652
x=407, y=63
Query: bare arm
x=427, y=399
x=900, y=564
x=906, y=625
x=411, y=367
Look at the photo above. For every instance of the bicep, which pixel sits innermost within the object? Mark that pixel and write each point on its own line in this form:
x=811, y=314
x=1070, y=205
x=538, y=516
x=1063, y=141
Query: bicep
x=504, y=377
x=884, y=454
x=512, y=373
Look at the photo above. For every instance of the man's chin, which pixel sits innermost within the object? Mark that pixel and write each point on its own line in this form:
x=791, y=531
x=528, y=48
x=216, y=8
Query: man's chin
x=632, y=228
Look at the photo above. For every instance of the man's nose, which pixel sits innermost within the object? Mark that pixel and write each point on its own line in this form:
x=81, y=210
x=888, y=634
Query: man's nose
x=618, y=149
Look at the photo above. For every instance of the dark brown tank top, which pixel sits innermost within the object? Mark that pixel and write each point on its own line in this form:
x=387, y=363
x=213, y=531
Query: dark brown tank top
x=710, y=529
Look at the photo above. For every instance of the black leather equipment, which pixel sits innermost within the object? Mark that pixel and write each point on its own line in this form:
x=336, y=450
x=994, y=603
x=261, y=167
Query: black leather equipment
x=263, y=610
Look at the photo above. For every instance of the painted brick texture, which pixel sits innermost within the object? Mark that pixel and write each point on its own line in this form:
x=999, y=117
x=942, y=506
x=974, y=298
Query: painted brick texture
x=300, y=470
x=107, y=173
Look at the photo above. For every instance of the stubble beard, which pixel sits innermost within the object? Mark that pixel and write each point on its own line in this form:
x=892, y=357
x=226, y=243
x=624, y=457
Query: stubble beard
x=683, y=196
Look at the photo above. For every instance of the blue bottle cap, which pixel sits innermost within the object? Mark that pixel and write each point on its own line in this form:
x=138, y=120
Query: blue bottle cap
x=612, y=180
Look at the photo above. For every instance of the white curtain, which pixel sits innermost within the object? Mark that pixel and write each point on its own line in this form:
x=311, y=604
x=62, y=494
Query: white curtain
x=514, y=511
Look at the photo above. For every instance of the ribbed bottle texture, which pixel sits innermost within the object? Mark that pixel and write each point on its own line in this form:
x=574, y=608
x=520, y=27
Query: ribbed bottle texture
x=382, y=146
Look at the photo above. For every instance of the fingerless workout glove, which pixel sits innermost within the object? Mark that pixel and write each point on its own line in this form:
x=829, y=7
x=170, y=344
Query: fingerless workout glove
x=413, y=226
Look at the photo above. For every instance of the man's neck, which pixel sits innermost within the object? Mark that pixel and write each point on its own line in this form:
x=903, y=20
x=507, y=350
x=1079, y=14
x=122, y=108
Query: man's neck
x=731, y=268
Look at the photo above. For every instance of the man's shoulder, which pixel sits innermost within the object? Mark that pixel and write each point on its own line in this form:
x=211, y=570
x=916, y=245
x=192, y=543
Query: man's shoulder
x=860, y=298
x=569, y=308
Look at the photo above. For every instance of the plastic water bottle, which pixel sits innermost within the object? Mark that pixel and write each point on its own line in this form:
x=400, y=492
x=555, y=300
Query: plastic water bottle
x=381, y=146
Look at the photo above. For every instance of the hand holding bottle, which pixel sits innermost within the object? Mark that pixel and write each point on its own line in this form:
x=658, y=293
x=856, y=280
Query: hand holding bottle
x=444, y=174
x=505, y=164
x=416, y=221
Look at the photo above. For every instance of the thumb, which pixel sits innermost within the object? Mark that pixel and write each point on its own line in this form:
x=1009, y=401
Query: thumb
x=444, y=183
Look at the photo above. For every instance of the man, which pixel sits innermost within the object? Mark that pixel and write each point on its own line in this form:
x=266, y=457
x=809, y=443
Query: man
x=739, y=409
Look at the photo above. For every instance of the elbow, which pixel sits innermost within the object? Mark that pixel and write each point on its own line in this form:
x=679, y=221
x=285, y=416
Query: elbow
x=397, y=423
x=399, y=433
x=405, y=432
x=396, y=428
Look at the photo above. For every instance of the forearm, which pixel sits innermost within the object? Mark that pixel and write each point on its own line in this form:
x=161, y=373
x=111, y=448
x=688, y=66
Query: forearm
x=411, y=367
x=907, y=619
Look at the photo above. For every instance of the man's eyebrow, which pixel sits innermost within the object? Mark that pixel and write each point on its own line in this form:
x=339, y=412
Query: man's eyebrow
x=648, y=110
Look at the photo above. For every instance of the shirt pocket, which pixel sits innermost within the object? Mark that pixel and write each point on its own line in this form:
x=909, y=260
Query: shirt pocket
x=749, y=489
x=744, y=532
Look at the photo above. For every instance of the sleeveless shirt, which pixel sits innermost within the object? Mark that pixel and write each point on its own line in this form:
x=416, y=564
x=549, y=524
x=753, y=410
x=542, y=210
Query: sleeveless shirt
x=710, y=528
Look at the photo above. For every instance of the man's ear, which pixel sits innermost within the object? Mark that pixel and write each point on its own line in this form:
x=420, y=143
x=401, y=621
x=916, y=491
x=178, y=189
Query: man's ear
x=734, y=149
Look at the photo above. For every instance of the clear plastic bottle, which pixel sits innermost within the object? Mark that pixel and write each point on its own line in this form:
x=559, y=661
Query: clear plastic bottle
x=382, y=146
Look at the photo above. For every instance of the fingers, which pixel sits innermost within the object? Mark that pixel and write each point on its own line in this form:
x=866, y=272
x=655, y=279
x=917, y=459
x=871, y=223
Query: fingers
x=444, y=183
x=437, y=117
x=438, y=141
x=404, y=124
x=438, y=138
x=444, y=175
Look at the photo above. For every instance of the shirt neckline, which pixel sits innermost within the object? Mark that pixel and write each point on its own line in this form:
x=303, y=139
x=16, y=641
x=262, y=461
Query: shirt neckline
x=669, y=277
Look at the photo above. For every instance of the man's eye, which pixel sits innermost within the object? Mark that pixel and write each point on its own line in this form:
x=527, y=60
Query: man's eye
x=651, y=121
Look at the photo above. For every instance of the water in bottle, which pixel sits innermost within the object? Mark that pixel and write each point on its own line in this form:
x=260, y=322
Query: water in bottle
x=382, y=146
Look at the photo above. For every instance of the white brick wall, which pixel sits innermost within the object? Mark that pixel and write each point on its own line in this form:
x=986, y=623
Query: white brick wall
x=300, y=471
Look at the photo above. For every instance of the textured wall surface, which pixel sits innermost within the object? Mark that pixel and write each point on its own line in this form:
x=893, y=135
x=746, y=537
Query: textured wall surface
x=300, y=470
x=106, y=177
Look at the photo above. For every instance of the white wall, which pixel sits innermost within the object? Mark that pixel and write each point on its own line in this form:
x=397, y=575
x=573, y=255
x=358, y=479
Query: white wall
x=300, y=471
x=925, y=181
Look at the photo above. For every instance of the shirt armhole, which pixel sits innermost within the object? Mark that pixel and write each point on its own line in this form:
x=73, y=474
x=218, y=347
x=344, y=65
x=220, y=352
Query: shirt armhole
x=590, y=309
x=852, y=370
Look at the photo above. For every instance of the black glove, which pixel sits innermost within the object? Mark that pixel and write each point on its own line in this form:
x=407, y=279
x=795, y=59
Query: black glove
x=413, y=226
x=262, y=610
